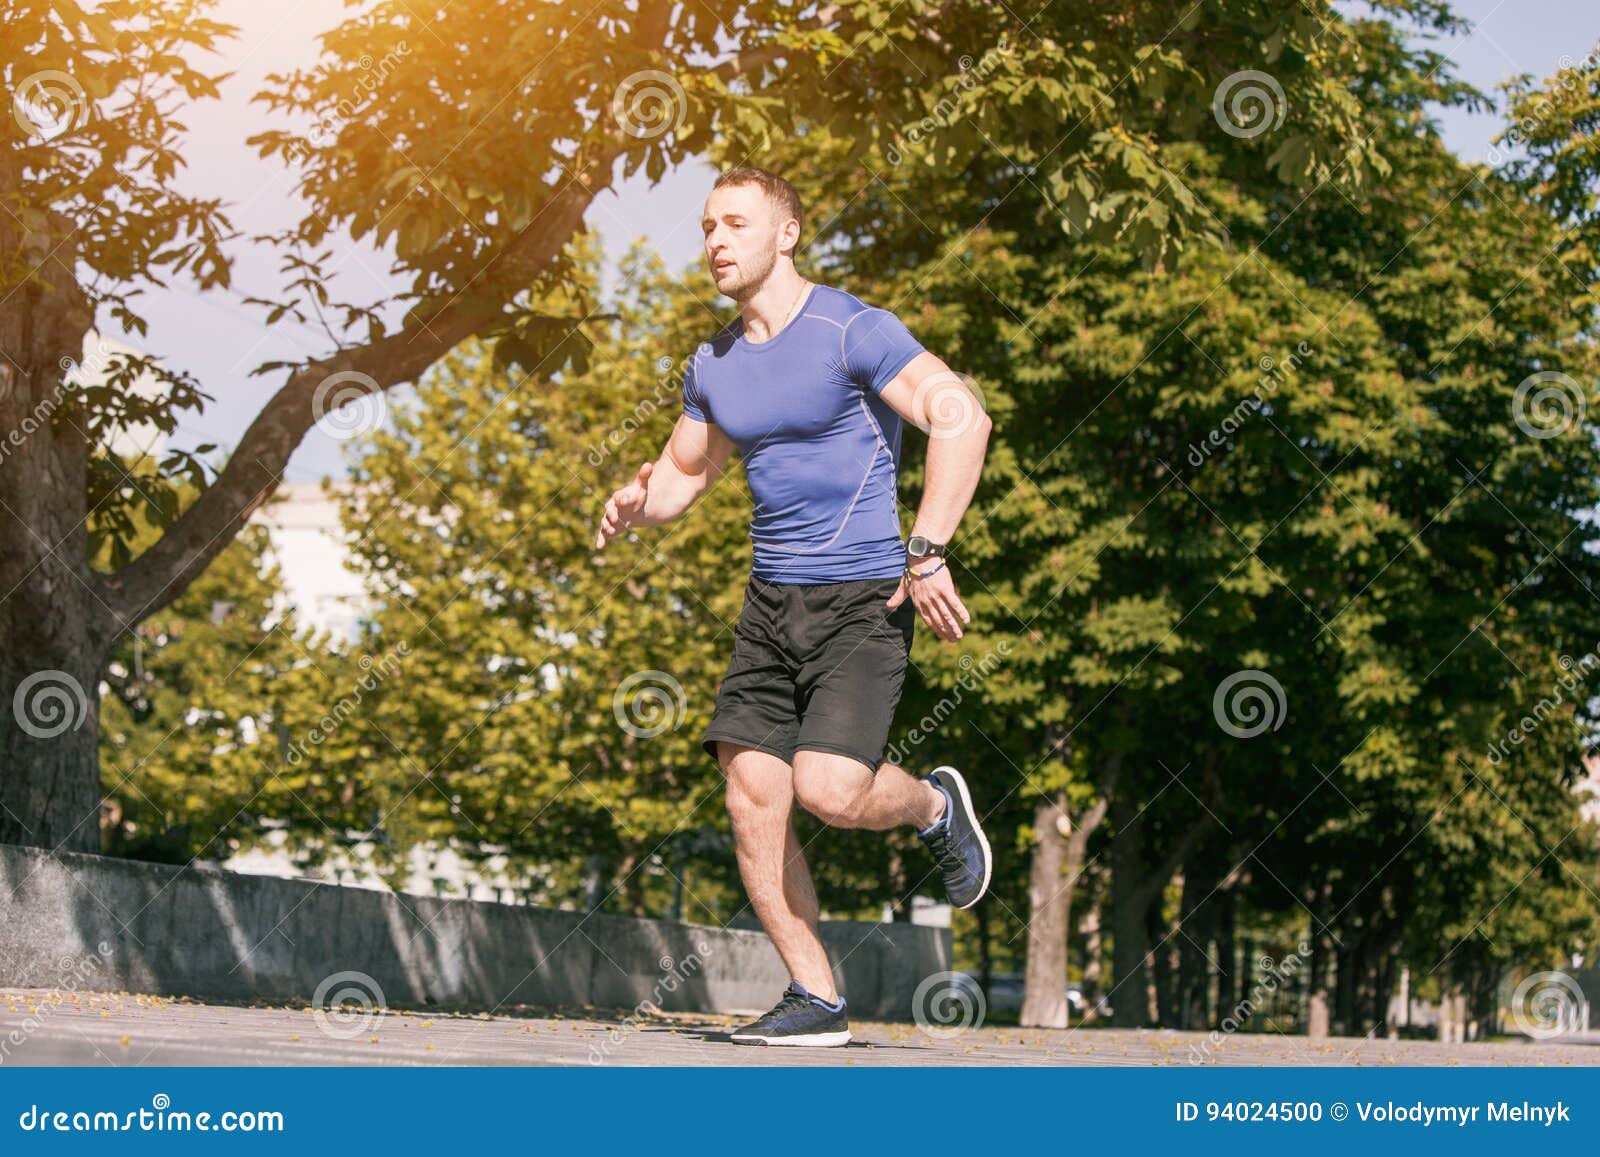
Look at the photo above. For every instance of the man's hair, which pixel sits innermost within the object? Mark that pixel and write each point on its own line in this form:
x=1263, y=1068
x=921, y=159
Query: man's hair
x=779, y=191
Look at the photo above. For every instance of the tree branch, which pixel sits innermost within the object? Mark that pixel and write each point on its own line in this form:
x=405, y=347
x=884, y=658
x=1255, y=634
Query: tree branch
x=255, y=469
x=752, y=59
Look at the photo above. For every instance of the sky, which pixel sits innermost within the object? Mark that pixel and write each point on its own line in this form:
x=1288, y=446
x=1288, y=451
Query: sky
x=218, y=339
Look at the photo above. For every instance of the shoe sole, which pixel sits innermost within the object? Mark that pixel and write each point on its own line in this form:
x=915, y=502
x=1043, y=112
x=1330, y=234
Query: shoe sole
x=977, y=828
x=813, y=1039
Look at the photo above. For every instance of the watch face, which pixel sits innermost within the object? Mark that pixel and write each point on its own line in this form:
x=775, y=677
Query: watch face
x=917, y=545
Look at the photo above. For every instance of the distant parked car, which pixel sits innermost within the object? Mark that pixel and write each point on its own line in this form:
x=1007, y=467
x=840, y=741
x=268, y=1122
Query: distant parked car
x=1080, y=1003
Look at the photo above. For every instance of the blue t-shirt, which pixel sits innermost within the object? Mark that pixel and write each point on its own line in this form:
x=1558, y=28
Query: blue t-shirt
x=820, y=446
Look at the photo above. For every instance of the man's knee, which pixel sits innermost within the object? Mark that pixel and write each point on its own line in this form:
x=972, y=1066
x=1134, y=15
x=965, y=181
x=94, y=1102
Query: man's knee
x=831, y=788
x=758, y=789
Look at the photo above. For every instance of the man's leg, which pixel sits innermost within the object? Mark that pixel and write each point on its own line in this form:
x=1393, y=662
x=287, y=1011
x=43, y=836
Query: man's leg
x=842, y=792
x=847, y=691
x=773, y=864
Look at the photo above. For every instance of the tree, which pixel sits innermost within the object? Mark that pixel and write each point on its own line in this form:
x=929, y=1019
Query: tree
x=479, y=192
x=1360, y=600
x=1480, y=291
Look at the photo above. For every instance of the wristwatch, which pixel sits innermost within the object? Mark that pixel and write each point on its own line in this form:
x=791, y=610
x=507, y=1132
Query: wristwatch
x=917, y=546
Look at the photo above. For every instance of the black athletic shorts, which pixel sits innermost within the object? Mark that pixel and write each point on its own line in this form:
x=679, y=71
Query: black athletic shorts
x=817, y=666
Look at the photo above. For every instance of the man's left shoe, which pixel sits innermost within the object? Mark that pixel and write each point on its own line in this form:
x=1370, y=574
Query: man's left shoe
x=957, y=841
x=798, y=1019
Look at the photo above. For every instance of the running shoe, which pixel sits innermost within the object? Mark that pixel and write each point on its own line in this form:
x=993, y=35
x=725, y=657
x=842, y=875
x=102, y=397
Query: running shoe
x=798, y=1019
x=957, y=841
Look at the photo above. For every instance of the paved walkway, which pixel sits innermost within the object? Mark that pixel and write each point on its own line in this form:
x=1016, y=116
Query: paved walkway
x=91, y=1028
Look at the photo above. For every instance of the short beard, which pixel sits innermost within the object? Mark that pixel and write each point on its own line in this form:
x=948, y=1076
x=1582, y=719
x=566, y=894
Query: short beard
x=747, y=288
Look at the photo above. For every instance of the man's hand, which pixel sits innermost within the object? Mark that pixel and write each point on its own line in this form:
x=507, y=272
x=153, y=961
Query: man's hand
x=623, y=507
x=935, y=596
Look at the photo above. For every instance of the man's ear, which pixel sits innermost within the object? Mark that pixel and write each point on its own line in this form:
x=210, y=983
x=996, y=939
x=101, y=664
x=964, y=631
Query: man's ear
x=786, y=245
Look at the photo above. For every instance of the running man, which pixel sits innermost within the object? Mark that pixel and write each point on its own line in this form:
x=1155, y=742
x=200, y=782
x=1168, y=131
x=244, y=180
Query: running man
x=811, y=385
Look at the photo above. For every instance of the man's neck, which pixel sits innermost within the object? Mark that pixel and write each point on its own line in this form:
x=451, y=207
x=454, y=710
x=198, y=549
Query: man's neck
x=773, y=304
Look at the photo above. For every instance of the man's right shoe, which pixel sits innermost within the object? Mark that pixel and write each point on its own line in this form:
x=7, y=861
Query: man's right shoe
x=957, y=841
x=798, y=1019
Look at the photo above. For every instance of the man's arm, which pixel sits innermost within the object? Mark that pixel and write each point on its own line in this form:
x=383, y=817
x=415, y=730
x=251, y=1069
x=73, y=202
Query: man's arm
x=694, y=457
x=931, y=396
x=937, y=401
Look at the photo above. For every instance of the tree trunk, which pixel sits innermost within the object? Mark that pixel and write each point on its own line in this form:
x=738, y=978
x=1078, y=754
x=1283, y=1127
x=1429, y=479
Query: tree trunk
x=1481, y=1011
x=1246, y=983
x=1059, y=849
x=1227, y=956
x=1044, y=1000
x=1093, y=947
x=1134, y=887
x=1128, y=943
x=1452, y=1013
x=54, y=631
x=680, y=868
x=49, y=745
x=1317, y=986
x=59, y=618
x=1164, y=974
x=1371, y=984
x=1387, y=971
x=1197, y=916
x=1344, y=990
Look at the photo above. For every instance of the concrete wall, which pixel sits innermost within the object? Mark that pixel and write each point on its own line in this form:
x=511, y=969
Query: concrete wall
x=73, y=921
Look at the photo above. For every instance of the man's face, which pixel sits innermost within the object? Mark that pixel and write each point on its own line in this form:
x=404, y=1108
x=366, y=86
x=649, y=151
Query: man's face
x=741, y=232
